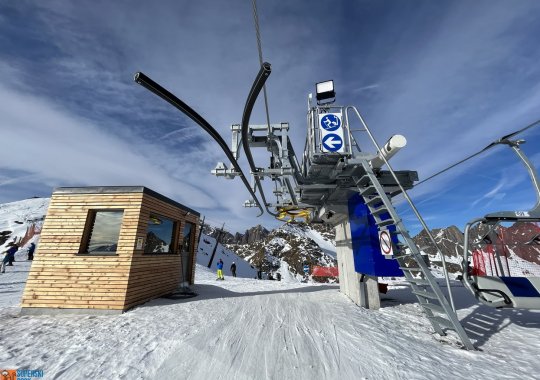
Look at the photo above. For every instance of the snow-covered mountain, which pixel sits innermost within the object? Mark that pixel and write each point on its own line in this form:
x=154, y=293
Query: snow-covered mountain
x=21, y=222
x=287, y=249
x=520, y=253
x=249, y=236
x=207, y=244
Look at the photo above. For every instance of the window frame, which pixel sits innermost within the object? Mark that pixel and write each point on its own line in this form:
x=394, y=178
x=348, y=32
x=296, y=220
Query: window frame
x=89, y=227
x=173, y=250
x=190, y=255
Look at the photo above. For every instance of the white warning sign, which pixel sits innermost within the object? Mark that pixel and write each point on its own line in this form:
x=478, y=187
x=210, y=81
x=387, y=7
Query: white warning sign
x=385, y=241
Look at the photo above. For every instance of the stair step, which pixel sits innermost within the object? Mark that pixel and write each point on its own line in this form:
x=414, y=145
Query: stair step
x=364, y=180
x=419, y=281
x=397, y=257
x=386, y=222
x=443, y=322
x=425, y=294
x=411, y=269
x=380, y=210
x=433, y=307
x=370, y=190
x=374, y=200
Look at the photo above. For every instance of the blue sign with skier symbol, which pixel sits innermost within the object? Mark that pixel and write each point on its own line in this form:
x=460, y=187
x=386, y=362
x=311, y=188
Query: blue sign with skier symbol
x=330, y=122
x=332, y=142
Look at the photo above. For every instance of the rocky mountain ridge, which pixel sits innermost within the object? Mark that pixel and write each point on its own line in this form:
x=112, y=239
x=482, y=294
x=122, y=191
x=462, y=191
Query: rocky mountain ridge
x=290, y=246
x=294, y=244
x=251, y=235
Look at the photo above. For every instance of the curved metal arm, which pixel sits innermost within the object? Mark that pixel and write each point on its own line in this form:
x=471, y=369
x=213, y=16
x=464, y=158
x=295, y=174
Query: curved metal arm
x=465, y=264
x=534, y=177
x=258, y=84
x=470, y=283
x=534, y=213
x=164, y=94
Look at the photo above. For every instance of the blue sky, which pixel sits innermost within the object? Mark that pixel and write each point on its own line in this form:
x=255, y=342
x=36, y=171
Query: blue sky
x=451, y=76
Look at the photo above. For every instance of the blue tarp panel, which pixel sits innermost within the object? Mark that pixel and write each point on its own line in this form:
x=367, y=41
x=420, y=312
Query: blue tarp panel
x=368, y=258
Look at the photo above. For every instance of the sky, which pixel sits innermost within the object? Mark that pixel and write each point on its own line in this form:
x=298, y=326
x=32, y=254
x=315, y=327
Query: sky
x=451, y=76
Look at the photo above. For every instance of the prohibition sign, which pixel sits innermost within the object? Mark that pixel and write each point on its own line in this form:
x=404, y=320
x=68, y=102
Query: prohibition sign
x=385, y=242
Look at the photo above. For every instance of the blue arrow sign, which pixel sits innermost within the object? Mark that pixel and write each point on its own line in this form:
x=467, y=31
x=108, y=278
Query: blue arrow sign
x=330, y=122
x=306, y=268
x=332, y=142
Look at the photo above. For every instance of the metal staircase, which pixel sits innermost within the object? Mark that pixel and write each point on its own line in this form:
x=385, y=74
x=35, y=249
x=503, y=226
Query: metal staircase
x=423, y=283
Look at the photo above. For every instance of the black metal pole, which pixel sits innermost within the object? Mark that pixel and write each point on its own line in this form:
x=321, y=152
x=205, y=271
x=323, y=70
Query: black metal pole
x=258, y=84
x=164, y=94
x=215, y=247
x=200, y=234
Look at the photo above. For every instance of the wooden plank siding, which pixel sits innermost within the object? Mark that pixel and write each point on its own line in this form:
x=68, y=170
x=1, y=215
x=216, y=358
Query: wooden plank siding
x=158, y=274
x=62, y=277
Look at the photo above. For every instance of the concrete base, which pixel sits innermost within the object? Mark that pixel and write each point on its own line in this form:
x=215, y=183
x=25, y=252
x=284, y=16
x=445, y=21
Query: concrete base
x=362, y=290
x=369, y=292
x=57, y=311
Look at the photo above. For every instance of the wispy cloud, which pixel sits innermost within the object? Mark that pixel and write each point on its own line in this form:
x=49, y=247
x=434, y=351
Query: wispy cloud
x=451, y=77
x=74, y=151
x=493, y=194
x=365, y=88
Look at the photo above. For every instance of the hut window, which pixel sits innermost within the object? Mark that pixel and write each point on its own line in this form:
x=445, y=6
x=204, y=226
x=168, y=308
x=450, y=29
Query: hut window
x=102, y=232
x=159, y=235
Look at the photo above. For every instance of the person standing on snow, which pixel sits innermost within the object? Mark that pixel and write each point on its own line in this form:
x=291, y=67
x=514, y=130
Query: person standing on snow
x=233, y=269
x=31, y=250
x=11, y=253
x=9, y=256
x=220, y=270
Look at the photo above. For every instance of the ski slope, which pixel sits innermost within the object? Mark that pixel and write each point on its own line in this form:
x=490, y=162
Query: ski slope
x=204, y=254
x=243, y=328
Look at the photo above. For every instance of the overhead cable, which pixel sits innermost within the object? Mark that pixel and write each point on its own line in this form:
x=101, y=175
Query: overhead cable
x=491, y=145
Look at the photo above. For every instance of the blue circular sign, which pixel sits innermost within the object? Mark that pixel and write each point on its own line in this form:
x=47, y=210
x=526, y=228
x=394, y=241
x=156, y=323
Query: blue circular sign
x=330, y=122
x=332, y=142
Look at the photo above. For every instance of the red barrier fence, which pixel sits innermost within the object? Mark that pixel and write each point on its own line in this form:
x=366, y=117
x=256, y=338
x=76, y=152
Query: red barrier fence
x=31, y=231
x=325, y=271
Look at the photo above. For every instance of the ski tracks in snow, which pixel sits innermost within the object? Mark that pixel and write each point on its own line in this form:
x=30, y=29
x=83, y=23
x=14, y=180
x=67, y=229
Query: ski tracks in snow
x=267, y=336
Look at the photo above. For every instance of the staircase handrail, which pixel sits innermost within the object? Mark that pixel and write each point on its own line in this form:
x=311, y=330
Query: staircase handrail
x=406, y=195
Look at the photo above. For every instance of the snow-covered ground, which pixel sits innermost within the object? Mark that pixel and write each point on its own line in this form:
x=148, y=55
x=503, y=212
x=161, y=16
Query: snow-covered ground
x=243, y=328
x=17, y=216
x=328, y=246
x=204, y=254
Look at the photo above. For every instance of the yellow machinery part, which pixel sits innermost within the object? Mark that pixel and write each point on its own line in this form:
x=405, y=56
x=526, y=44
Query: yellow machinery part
x=292, y=213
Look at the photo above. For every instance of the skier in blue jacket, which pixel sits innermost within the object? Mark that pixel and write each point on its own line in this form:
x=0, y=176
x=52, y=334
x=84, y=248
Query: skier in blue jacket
x=9, y=257
x=220, y=270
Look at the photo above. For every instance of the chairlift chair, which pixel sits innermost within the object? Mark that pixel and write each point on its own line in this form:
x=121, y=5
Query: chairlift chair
x=500, y=289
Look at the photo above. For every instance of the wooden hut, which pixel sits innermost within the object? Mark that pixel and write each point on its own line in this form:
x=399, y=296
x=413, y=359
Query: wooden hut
x=108, y=249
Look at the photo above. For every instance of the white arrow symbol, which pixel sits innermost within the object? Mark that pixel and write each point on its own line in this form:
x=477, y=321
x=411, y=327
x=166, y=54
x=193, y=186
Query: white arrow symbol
x=330, y=142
